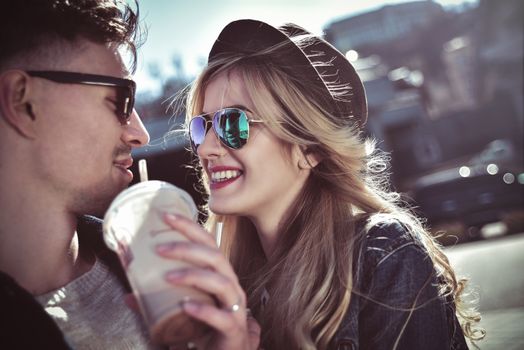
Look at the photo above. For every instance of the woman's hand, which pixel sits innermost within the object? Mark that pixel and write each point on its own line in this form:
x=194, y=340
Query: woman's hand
x=211, y=273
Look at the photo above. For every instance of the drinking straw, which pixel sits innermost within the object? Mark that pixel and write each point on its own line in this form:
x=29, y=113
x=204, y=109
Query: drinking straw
x=142, y=170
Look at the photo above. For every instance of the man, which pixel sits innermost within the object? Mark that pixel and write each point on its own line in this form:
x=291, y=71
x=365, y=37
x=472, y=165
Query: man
x=67, y=128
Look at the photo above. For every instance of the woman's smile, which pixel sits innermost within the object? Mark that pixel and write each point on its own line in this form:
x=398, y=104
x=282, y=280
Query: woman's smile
x=221, y=176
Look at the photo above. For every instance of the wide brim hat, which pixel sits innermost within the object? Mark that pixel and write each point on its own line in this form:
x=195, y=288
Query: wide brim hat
x=337, y=84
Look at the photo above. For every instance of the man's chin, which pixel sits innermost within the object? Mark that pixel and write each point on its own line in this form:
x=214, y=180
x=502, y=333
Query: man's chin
x=96, y=204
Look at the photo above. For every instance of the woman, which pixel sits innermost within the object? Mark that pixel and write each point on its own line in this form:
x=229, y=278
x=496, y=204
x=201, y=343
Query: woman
x=328, y=257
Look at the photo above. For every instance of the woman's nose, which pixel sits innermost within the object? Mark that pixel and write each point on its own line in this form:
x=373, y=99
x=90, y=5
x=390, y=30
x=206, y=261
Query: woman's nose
x=211, y=147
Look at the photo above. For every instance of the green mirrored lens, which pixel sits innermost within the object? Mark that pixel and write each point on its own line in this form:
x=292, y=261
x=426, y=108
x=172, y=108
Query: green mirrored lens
x=232, y=127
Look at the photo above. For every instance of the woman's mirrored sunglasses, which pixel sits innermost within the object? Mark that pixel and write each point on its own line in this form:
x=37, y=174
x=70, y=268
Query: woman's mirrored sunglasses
x=231, y=126
x=125, y=98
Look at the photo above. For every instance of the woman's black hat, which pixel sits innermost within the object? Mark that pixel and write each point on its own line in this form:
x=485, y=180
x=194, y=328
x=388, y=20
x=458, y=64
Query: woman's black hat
x=338, y=85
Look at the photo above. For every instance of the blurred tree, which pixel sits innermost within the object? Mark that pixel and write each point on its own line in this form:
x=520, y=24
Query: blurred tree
x=152, y=106
x=154, y=70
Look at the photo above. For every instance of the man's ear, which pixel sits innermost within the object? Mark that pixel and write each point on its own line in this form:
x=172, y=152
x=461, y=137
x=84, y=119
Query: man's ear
x=15, y=102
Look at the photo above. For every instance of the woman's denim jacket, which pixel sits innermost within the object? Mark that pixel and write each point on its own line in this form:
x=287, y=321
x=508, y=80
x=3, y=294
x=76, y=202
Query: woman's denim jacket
x=395, y=302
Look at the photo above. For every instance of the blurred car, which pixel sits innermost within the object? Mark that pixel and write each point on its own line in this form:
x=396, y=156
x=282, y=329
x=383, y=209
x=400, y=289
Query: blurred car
x=474, y=195
x=500, y=151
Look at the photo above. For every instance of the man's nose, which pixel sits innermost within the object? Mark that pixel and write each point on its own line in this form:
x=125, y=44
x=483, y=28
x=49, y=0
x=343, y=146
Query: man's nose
x=135, y=133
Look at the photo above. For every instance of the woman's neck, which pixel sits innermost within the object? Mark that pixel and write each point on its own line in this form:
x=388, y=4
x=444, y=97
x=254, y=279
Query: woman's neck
x=267, y=230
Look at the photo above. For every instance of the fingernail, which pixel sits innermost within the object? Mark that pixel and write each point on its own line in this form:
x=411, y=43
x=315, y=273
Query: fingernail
x=165, y=247
x=170, y=216
x=190, y=306
x=174, y=275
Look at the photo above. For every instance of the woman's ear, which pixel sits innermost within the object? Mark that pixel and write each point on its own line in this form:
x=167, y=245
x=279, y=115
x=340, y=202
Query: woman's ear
x=313, y=158
x=15, y=102
x=307, y=159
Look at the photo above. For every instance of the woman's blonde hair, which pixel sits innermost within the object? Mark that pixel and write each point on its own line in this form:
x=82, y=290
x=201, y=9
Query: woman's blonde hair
x=309, y=275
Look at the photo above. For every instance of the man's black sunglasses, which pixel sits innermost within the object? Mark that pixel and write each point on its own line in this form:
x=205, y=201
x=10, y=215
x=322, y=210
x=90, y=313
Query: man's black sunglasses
x=126, y=88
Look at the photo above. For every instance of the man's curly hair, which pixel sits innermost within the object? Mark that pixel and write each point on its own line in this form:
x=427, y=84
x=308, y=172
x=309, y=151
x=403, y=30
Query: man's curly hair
x=26, y=25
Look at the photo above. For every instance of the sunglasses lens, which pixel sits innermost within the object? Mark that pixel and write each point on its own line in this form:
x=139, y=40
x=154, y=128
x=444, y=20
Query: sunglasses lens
x=197, y=132
x=232, y=127
x=124, y=103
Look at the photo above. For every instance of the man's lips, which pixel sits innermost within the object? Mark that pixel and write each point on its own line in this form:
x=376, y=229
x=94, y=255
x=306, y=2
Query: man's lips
x=124, y=163
x=122, y=160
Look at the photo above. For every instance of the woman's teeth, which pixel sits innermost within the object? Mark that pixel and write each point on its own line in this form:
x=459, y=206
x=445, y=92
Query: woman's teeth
x=219, y=176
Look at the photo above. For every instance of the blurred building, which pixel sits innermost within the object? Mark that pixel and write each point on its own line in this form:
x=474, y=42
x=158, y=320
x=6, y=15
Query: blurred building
x=499, y=39
x=388, y=23
x=459, y=58
x=396, y=103
x=441, y=85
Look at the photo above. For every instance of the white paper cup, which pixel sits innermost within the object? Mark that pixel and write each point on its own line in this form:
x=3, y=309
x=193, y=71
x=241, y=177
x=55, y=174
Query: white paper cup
x=133, y=227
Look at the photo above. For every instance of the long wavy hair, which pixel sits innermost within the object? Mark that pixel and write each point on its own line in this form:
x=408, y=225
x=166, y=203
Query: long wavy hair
x=309, y=274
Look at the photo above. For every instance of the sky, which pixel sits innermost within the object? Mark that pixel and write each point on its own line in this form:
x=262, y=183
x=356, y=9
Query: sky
x=188, y=28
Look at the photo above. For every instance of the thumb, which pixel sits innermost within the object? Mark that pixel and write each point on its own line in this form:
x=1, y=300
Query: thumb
x=131, y=302
x=253, y=329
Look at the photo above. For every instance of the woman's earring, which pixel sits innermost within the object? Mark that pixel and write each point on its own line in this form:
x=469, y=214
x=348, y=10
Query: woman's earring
x=303, y=164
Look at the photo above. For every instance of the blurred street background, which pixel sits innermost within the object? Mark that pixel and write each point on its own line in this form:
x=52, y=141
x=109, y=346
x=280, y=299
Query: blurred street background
x=444, y=82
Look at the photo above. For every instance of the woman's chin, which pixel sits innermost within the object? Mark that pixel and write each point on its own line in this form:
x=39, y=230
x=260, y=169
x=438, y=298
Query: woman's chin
x=220, y=209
